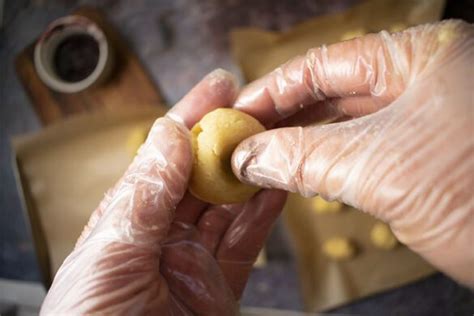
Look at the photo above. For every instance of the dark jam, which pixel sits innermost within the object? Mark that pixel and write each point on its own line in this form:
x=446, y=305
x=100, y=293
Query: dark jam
x=76, y=57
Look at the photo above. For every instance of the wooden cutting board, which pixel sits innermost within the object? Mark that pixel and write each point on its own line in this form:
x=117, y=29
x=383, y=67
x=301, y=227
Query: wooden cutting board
x=128, y=86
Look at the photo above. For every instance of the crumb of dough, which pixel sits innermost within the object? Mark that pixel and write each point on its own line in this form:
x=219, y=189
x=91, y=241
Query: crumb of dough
x=135, y=140
x=339, y=248
x=321, y=206
x=446, y=34
x=397, y=27
x=382, y=236
x=353, y=34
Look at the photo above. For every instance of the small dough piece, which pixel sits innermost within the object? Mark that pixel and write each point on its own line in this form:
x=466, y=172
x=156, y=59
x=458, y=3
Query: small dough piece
x=136, y=139
x=321, y=206
x=397, y=27
x=339, y=248
x=353, y=34
x=382, y=237
x=214, y=139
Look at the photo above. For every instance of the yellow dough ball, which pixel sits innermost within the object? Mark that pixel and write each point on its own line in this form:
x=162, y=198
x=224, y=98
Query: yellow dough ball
x=135, y=139
x=382, y=237
x=322, y=206
x=214, y=139
x=339, y=248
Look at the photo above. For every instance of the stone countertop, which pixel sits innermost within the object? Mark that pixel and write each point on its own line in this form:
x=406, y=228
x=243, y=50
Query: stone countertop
x=179, y=42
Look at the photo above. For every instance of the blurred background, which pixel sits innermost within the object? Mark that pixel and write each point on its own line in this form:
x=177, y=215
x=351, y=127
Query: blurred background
x=158, y=51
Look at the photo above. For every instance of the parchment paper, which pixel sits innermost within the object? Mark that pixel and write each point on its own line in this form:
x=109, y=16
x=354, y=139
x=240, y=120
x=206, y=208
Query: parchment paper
x=326, y=283
x=258, y=51
x=65, y=169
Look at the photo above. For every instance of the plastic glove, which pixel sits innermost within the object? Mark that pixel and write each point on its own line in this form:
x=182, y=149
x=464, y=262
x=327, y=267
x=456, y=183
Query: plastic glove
x=148, y=250
x=408, y=156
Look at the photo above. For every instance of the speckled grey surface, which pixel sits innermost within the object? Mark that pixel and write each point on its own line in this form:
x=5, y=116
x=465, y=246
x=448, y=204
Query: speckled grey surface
x=179, y=42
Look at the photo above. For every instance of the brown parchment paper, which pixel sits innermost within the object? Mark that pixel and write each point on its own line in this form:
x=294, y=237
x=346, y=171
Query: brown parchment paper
x=325, y=283
x=64, y=171
x=258, y=51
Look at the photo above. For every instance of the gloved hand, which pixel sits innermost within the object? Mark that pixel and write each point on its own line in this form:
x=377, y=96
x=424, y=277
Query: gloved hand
x=402, y=147
x=148, y=250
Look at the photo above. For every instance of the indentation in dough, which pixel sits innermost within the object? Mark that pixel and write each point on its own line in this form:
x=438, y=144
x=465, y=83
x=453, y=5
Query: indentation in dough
x=214, y=139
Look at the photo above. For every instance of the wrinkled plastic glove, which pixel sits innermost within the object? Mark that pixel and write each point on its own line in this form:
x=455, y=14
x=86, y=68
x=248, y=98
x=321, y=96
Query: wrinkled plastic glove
x=402, y=146
x=148, y=250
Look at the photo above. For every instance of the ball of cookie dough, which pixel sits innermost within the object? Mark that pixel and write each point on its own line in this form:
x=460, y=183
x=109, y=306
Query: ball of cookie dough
x=214, y=139
x=339, y=248
x=382, y=236
x=321, y=206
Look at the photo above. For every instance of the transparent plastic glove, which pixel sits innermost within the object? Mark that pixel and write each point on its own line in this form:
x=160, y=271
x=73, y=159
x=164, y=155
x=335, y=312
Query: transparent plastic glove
x=406, y=156
x=147, y=250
